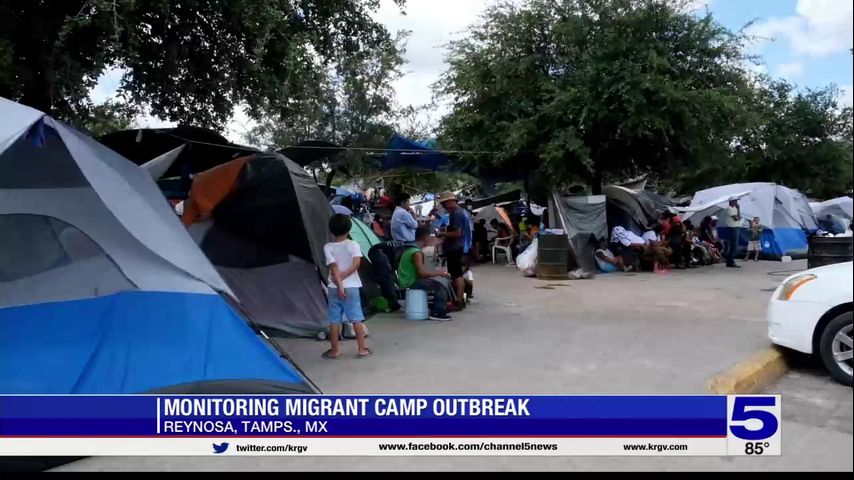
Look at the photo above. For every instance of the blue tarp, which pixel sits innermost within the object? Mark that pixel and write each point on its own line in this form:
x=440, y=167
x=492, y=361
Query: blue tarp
x=132, y=342
x=409, y=153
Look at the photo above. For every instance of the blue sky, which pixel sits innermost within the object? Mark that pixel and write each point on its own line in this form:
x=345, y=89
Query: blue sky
x=807, y=42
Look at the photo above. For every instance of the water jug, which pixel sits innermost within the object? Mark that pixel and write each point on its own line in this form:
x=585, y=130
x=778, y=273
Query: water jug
x=416, y=305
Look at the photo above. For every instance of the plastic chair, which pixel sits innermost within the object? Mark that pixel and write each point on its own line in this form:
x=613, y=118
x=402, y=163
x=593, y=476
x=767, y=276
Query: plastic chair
x=504, y=249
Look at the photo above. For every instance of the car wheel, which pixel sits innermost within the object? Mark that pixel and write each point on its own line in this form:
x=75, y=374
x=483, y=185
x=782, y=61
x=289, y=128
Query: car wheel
x=836, y=347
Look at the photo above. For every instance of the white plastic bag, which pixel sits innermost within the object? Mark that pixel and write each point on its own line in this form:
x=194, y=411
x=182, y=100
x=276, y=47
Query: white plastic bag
x=526, y=262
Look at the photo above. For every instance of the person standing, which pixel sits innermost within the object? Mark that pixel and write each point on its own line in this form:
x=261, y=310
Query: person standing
x=755, y=235
x=403, y=221
x=343, y=257
x=453, y=243
x=732, y=222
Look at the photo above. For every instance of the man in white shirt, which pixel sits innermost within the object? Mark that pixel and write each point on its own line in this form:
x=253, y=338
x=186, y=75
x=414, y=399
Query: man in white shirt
x=403, y=222
x=732, y=222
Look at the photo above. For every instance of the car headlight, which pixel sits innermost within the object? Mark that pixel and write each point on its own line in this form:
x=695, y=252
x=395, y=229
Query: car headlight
x=793, y=284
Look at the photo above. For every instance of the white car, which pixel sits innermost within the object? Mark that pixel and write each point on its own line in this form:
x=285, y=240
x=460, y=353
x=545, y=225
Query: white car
x=811, y=312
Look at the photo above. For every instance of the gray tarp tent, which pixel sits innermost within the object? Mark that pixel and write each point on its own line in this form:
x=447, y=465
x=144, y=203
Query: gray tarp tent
x=629, y=209
x=583, y=218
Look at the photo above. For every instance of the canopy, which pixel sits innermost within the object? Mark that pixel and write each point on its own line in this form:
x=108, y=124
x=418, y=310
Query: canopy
x=204, y=148
x=404, y=152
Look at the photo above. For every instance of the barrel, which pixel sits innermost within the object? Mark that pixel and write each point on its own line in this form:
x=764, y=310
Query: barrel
x=416, y=305
x=829, y=250
x=552, y=257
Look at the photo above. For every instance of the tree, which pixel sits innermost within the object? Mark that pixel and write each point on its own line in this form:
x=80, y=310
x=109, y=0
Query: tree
x=354, y=106
x=804, y=141
x=108, y=117
x=191, y=61
x=593, y=90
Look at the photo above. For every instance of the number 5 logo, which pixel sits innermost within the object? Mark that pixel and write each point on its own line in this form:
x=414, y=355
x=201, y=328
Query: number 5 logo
x=740, y=413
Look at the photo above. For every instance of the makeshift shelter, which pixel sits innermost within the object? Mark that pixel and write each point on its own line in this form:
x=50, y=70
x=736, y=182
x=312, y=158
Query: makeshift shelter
x=101, y=289
x=841, y=211
x=784, y=213
x=584, y=220
x=262, y=221
x=490, y=213
x=629, y=209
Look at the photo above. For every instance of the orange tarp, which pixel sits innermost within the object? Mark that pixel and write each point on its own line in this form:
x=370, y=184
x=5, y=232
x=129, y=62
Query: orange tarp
x=211, y=187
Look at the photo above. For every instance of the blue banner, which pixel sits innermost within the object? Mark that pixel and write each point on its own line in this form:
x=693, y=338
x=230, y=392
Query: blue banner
x=363, y=416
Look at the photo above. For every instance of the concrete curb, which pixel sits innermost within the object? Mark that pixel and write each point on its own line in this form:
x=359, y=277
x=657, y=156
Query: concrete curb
x=753, y=375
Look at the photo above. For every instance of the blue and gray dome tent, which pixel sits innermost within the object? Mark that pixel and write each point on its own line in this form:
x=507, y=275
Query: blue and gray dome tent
x=784, y=213
x=102, y=290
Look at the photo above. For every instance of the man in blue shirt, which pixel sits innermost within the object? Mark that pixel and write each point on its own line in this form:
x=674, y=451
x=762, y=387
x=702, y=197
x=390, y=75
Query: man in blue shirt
x=453, y=242
x=403, y=222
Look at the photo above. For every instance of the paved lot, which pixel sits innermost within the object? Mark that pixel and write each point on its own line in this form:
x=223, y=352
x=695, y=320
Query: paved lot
x=618, y=333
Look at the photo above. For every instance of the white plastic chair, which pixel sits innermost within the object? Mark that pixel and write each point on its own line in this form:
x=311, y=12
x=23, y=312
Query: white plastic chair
x=503, y=249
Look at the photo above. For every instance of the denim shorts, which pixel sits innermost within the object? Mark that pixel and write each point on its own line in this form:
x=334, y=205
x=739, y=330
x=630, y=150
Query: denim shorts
x=351, y=307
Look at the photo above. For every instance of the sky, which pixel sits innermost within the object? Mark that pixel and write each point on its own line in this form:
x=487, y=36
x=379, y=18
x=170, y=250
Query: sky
x=807, y=42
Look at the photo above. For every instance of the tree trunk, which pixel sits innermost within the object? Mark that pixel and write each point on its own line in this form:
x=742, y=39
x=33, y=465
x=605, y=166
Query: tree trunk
x=596, y=183
x=329, y=177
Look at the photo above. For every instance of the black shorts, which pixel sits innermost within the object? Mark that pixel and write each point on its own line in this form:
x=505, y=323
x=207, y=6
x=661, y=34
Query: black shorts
x=455, y=263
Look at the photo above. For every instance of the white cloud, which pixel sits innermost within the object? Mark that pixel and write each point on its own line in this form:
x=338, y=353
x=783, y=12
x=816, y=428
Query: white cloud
x=790, y=71
x=847, y=95
x=433, y=24
x=107, y=86
x=820, y=28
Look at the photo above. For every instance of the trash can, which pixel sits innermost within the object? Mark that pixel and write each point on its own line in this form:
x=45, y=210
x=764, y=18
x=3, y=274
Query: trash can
x=552, y=257
x=829, y=250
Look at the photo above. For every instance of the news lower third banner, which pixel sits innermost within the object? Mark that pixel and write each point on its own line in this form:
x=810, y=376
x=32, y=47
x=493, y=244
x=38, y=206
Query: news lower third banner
x=382, y=425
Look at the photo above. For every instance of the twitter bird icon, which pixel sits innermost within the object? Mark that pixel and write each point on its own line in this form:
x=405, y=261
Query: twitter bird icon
x=221, y=448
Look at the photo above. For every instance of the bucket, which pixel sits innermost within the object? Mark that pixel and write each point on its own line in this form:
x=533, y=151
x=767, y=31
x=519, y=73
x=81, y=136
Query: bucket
x=416, y=305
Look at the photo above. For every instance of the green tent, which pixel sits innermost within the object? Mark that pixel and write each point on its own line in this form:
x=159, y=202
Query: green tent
x=364, y=236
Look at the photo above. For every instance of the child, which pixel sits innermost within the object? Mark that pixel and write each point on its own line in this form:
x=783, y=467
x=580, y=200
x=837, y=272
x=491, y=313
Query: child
x=755, y=235
x=343, y=257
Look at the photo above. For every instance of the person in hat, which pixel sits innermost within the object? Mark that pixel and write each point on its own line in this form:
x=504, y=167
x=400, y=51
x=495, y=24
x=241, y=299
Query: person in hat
x=732, y=222
x=453, y=242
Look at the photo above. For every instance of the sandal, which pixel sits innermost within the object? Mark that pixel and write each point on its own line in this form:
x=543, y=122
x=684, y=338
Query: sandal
x=328, y=355
x=365, y=355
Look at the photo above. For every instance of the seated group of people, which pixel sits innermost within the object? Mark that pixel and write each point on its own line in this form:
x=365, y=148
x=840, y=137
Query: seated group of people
x=672, y=243
x=400, y=263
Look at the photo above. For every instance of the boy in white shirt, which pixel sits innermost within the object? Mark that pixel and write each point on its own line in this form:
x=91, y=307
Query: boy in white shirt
x=343, y=257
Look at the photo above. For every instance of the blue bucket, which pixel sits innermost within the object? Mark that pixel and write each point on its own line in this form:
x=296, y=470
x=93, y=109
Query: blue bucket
x=416, y=305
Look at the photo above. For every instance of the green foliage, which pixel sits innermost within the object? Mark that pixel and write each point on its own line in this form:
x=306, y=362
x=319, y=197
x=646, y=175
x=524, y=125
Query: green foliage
x=108, y=117
x=592, y=90
x=191, y=61
x=799, y=139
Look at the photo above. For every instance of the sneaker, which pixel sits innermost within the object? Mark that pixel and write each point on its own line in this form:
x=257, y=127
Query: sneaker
x=441, y=318
x=734, y=266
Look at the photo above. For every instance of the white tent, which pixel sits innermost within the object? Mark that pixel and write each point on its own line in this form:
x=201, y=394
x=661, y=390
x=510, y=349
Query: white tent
x=783, y=212
x=842, y=207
